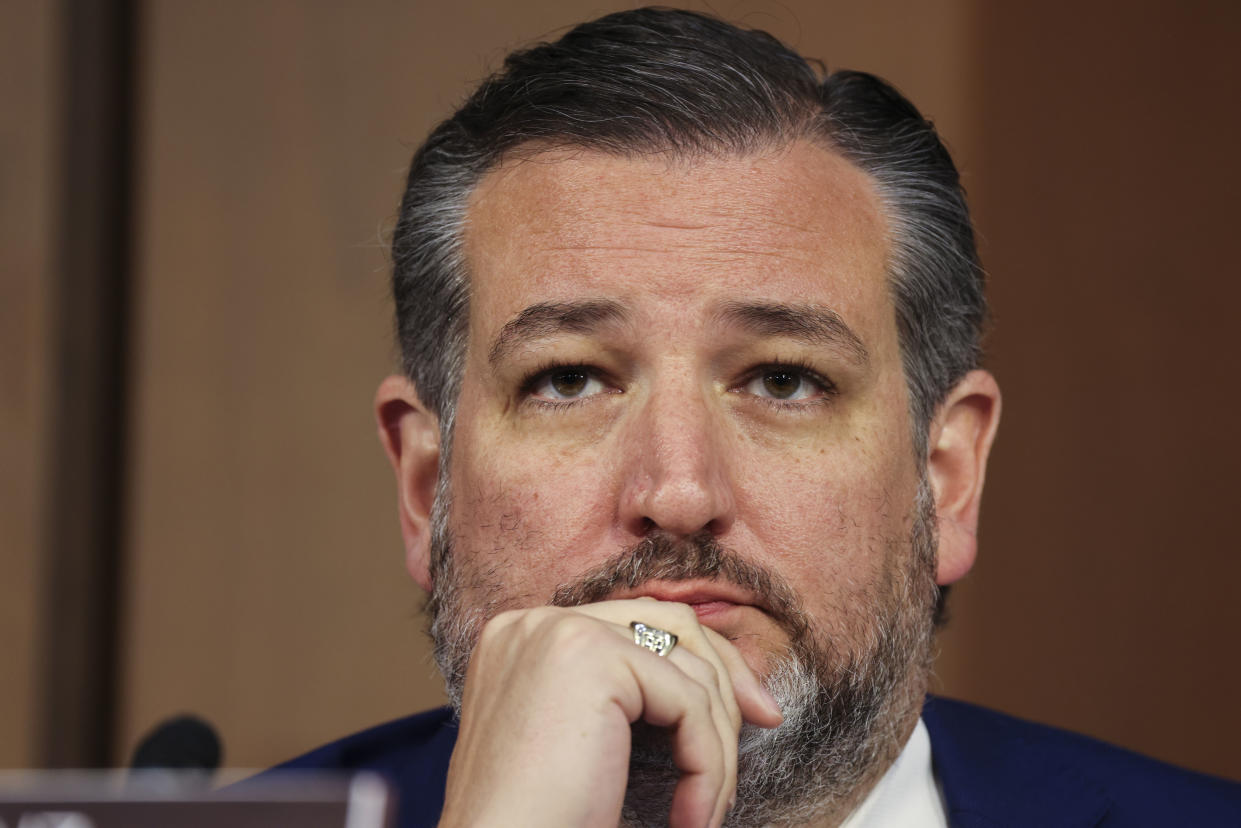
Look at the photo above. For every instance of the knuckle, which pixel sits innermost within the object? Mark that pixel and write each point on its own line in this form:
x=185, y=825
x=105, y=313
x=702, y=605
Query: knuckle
x=537, y=617
x=547, y=635
x=571, y=635
x=496, y=626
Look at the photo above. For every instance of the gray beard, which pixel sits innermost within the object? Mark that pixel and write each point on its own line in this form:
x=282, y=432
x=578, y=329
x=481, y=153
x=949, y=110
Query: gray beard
x=847, y=709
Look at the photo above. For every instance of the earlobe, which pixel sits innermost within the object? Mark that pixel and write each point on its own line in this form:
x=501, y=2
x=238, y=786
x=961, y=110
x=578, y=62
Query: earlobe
x=409, y=433
x=960, y=442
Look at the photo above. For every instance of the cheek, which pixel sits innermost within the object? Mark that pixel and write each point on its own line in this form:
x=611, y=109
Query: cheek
x=833, y=519
x=538, y=506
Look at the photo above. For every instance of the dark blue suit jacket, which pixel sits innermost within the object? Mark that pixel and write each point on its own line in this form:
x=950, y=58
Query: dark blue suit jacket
x=995, y=771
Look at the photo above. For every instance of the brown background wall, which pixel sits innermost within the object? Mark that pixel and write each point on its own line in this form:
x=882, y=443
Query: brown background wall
x=28, y=145
x=262, y=582
x=1106, y=596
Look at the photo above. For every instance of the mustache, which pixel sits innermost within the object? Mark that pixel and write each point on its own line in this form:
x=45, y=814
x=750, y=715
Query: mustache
x=662, y=557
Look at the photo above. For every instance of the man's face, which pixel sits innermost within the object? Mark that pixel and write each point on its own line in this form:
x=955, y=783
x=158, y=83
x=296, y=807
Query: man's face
x=683, y=380
x=683, y=348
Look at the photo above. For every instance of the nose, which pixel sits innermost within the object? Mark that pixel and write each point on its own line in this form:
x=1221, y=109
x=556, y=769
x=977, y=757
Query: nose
x=677, y=472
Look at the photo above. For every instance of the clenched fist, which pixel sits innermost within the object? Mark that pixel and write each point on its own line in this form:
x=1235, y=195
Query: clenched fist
x=549, y=698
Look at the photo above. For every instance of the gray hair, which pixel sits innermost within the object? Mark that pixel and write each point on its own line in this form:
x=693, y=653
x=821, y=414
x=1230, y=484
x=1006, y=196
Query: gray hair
x=681, y=83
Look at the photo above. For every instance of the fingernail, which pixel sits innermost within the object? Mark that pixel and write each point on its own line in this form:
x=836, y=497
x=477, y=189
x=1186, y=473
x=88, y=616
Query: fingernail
x=732, y=802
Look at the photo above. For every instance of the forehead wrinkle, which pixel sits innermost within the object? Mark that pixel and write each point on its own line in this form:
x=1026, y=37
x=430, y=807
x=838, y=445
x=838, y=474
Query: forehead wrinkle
x=810, y=323
x=740, y=252
x=550, y=318
x=721, y=224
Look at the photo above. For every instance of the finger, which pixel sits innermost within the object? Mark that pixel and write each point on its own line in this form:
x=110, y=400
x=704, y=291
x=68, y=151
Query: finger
x=673, y=699
x=695, y=654
x=756, y=704
x=704, y=642
x=752, y=701
x=727, y=722
x=692, y=637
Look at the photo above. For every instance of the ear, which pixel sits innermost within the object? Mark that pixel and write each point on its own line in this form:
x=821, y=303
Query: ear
x=960, y=441
x=409, y=433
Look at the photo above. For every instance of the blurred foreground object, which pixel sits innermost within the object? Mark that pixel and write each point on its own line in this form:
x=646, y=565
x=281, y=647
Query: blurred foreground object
x=186, y=746
x=94, y=799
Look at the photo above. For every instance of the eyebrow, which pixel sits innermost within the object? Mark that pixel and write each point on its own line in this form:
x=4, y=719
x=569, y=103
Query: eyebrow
x=811, y=324
x=551, y=318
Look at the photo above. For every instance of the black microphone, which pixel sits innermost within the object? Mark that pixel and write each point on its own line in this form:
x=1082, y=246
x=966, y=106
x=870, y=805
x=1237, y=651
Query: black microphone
x=183, y=743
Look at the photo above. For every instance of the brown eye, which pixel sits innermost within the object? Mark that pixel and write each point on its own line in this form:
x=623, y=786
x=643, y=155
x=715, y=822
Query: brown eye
x=787, y=384
x=781, y=384
x=568, y=383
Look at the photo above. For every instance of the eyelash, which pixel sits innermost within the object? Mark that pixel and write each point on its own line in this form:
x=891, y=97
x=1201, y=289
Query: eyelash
x=795, y=366
x=538, y=375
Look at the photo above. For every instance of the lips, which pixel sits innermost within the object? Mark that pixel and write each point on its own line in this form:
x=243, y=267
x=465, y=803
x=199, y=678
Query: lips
x=706, y=597
x=707, y=609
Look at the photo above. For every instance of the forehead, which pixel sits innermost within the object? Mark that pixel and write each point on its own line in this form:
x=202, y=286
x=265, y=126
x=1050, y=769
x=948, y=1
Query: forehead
x=795, y=224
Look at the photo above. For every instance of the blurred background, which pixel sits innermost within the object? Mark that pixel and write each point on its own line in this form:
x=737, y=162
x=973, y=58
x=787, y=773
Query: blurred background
x=196, y=515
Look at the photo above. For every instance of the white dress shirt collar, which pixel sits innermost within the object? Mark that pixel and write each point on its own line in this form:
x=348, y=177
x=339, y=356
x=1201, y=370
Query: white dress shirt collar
x=907, y=794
